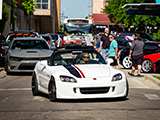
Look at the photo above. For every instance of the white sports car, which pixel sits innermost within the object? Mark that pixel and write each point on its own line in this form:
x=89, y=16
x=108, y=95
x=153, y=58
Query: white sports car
x=71, y=74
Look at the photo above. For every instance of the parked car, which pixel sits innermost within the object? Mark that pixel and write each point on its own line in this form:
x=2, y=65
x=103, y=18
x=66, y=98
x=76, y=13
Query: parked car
x=123, y=42
x=47, y=37
x=24, y=53
x=65, y=76
x=150, y=63
x=128, y=35
x=150, y=48
x=57, y=39
x=20, y=33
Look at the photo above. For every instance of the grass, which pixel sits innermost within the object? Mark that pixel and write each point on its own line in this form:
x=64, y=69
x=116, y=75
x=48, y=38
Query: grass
x=158, y=77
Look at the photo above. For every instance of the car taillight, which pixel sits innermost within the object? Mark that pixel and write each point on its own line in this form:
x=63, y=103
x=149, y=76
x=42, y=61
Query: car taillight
x=119, y=53
x=3, y=51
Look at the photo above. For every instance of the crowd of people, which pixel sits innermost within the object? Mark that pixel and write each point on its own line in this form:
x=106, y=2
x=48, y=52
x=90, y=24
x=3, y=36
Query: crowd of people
x=108, y=47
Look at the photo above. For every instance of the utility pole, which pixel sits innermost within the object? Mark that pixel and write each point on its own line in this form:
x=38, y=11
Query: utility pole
x=89, y=8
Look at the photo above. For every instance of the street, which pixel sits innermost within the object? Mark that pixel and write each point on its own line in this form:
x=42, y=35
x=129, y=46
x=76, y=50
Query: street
x=17, y=103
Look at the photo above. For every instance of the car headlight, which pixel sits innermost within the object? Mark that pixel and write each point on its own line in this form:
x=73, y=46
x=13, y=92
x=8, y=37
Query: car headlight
x=14, y=58
x=68, y=79
x=117, y=77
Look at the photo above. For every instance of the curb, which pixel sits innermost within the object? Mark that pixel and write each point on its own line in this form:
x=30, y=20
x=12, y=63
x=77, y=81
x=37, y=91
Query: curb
x=153, y=79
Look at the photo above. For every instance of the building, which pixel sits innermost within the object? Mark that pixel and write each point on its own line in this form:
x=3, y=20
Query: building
x=20, y=23
x=46, y=17
x=100, y=19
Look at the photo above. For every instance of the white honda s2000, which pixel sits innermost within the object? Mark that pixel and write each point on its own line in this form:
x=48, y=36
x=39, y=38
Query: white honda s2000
x=78, y=74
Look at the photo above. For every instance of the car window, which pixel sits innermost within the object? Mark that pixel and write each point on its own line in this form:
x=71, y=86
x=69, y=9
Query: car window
x=11, y=36
x=54, y=37
x=29, y=44
x=74, y=57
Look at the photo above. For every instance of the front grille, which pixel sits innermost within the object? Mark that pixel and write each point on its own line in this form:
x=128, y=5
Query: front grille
x=100, y=90
x=27, y=66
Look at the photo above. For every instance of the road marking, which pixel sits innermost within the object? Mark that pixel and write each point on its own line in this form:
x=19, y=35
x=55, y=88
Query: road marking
x=152, y=96
x=15, y=89
x=38, y=98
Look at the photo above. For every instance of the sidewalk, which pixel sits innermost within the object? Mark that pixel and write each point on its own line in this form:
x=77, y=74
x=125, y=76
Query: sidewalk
x=147, y=78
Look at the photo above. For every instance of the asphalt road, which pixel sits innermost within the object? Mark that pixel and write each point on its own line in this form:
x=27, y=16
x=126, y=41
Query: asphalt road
x=17, y=103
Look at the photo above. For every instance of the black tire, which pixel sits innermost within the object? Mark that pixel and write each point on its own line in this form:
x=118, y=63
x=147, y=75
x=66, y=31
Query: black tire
x=147, y=66
x=126, y=62
x=52, y=90
x=6, y=69
x=35, y=91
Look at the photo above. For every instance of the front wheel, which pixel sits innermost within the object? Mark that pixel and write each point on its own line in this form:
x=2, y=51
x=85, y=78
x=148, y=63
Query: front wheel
x=52, y=90
x=35, y=91
x=147, y=66
x=127, y=63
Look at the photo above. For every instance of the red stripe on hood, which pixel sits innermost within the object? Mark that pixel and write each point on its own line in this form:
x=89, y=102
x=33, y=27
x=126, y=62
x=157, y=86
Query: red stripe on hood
x=79, y=71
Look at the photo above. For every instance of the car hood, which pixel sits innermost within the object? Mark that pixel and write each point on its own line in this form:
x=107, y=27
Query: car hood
x=30, y=53
x=89, y=71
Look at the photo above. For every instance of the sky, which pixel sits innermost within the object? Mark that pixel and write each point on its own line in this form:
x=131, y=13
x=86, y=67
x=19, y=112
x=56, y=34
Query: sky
x=75, y=8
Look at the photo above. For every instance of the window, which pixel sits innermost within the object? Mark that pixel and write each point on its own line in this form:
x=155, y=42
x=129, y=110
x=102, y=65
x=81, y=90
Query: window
x=42, y=4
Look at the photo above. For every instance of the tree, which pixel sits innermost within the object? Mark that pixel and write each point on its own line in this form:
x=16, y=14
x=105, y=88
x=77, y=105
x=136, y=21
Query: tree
x=29, y=6
x=5, y=17
x=118, y=15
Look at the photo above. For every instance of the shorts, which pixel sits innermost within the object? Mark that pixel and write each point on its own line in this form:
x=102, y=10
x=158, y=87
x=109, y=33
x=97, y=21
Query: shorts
x=97, y=45
x=114, y=61
x=137, y=60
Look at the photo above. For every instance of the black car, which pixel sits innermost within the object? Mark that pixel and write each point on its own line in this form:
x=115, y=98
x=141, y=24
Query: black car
x=123, y=42
x=150, y=47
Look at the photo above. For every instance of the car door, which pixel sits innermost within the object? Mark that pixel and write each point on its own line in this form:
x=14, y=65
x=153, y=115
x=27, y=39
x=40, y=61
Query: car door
x=44, y=74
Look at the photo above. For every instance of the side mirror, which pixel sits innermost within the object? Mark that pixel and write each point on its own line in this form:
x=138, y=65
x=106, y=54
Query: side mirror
x=44, y=62
x=109, y=61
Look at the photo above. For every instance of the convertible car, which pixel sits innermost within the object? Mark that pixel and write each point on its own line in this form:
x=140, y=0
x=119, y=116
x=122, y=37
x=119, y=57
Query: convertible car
x=70, y=74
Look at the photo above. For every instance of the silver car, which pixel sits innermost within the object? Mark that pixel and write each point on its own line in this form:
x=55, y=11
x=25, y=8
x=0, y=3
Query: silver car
x=23, y=53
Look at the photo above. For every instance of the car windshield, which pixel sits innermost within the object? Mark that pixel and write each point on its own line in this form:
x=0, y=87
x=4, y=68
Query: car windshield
x=77, y=28
x=16, y=35
x=77, y=57
x=147, y=37
x=29, y=44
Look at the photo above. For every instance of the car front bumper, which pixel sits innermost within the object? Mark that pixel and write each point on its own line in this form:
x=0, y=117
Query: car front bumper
x=95, y=90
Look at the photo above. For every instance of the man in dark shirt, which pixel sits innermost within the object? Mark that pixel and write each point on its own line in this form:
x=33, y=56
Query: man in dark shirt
x=136, y=53
x=105, y=43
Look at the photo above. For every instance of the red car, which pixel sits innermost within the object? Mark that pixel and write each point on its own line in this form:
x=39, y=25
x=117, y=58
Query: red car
x=151, y=63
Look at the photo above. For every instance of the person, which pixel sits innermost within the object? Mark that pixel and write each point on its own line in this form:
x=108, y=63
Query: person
x=97, y=40
x=113, y=51
x=2, y=38
x=90, y=40
x=85, y=57
x=136, y=53
x=104, y=43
